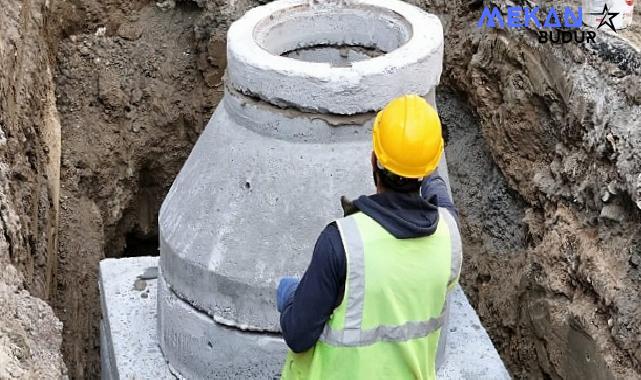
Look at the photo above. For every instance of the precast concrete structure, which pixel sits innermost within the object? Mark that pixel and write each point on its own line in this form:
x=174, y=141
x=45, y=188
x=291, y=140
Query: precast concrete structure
x=130, y=342
x=291, y=135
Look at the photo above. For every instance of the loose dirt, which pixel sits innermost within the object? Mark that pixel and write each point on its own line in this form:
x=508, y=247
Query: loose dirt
x=543, y=147
x=132, y=103
x=30, y=334
x=561, y=124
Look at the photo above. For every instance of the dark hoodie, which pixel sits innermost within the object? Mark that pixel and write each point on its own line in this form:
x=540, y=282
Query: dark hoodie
x=321, y=289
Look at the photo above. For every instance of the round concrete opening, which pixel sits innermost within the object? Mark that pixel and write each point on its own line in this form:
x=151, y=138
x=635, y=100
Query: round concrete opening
x=343, y=60
x=335, y=35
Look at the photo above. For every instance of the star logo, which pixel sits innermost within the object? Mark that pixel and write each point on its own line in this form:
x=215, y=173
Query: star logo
x=607, y=17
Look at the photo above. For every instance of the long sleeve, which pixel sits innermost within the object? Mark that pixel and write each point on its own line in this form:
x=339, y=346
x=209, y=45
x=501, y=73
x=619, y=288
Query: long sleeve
x=434, y=190
x=318, y=293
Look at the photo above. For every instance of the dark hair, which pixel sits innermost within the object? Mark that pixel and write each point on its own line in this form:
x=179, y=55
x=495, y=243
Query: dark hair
x=397, y=183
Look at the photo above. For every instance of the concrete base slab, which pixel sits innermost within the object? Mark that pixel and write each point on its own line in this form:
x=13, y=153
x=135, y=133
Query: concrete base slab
x=469, y=353
x=105, y=359
x=128, y=328
x=211, y=350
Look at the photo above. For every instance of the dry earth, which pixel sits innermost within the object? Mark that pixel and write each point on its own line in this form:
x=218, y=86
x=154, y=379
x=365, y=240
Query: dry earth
x=562, y=124
x=543, y=144
x=30, y=337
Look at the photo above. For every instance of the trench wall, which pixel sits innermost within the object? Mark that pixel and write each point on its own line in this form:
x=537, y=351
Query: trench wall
x=29, y=190
x=561, y=124
x=559, y=132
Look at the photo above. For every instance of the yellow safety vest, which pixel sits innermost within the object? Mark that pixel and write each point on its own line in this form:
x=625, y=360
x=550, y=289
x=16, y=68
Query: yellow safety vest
x=388, y=324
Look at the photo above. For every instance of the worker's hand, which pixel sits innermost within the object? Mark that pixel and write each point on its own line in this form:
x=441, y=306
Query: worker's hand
x=348, y=206
x=286, y=289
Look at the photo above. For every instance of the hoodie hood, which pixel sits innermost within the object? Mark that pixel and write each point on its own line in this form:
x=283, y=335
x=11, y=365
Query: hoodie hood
x=404, y=216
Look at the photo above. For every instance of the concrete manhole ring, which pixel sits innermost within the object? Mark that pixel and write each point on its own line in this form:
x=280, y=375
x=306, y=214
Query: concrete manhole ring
x=411, y=42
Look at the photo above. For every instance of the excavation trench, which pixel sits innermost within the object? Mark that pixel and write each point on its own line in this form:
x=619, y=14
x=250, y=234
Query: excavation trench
x=147, y=123
x=133, y=99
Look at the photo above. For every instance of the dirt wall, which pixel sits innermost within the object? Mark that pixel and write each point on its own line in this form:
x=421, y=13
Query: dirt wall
x=547, y=249
x=134, y=93
x=548, y=181
x=562, y=125
x=30, y=334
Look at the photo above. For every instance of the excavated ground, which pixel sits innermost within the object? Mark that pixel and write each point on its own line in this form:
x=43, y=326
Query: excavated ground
x=131, y=106
x=546, y=174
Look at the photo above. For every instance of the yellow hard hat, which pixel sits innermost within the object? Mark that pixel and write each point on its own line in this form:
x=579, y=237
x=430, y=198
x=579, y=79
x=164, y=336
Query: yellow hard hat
x=407, y=137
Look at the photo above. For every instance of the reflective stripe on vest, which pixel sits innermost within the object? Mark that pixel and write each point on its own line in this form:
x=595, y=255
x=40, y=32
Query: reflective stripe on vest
x=457, y=247
x=352, y=335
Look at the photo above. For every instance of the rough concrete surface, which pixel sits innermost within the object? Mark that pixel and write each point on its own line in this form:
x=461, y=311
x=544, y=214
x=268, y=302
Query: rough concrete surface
x=412, y=38
x=210, y=350
x=470, y=353
x=131, y=349
x=223, y=250
x=197, y=347
x=209, y=255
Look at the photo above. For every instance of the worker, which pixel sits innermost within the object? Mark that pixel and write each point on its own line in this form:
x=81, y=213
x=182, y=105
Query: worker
x=371, y=303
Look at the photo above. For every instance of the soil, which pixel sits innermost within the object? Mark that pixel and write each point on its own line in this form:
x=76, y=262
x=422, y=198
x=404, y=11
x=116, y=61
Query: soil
x=542, y=145
x=561, y=125
x=132, y=102
x=30, y=334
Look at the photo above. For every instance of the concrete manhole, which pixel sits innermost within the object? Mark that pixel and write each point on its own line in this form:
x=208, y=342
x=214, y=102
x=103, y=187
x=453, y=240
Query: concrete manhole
x=292, y=134
x=226, y=226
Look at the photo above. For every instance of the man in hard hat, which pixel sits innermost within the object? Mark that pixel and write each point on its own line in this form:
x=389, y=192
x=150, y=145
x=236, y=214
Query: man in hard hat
x=371, y=303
